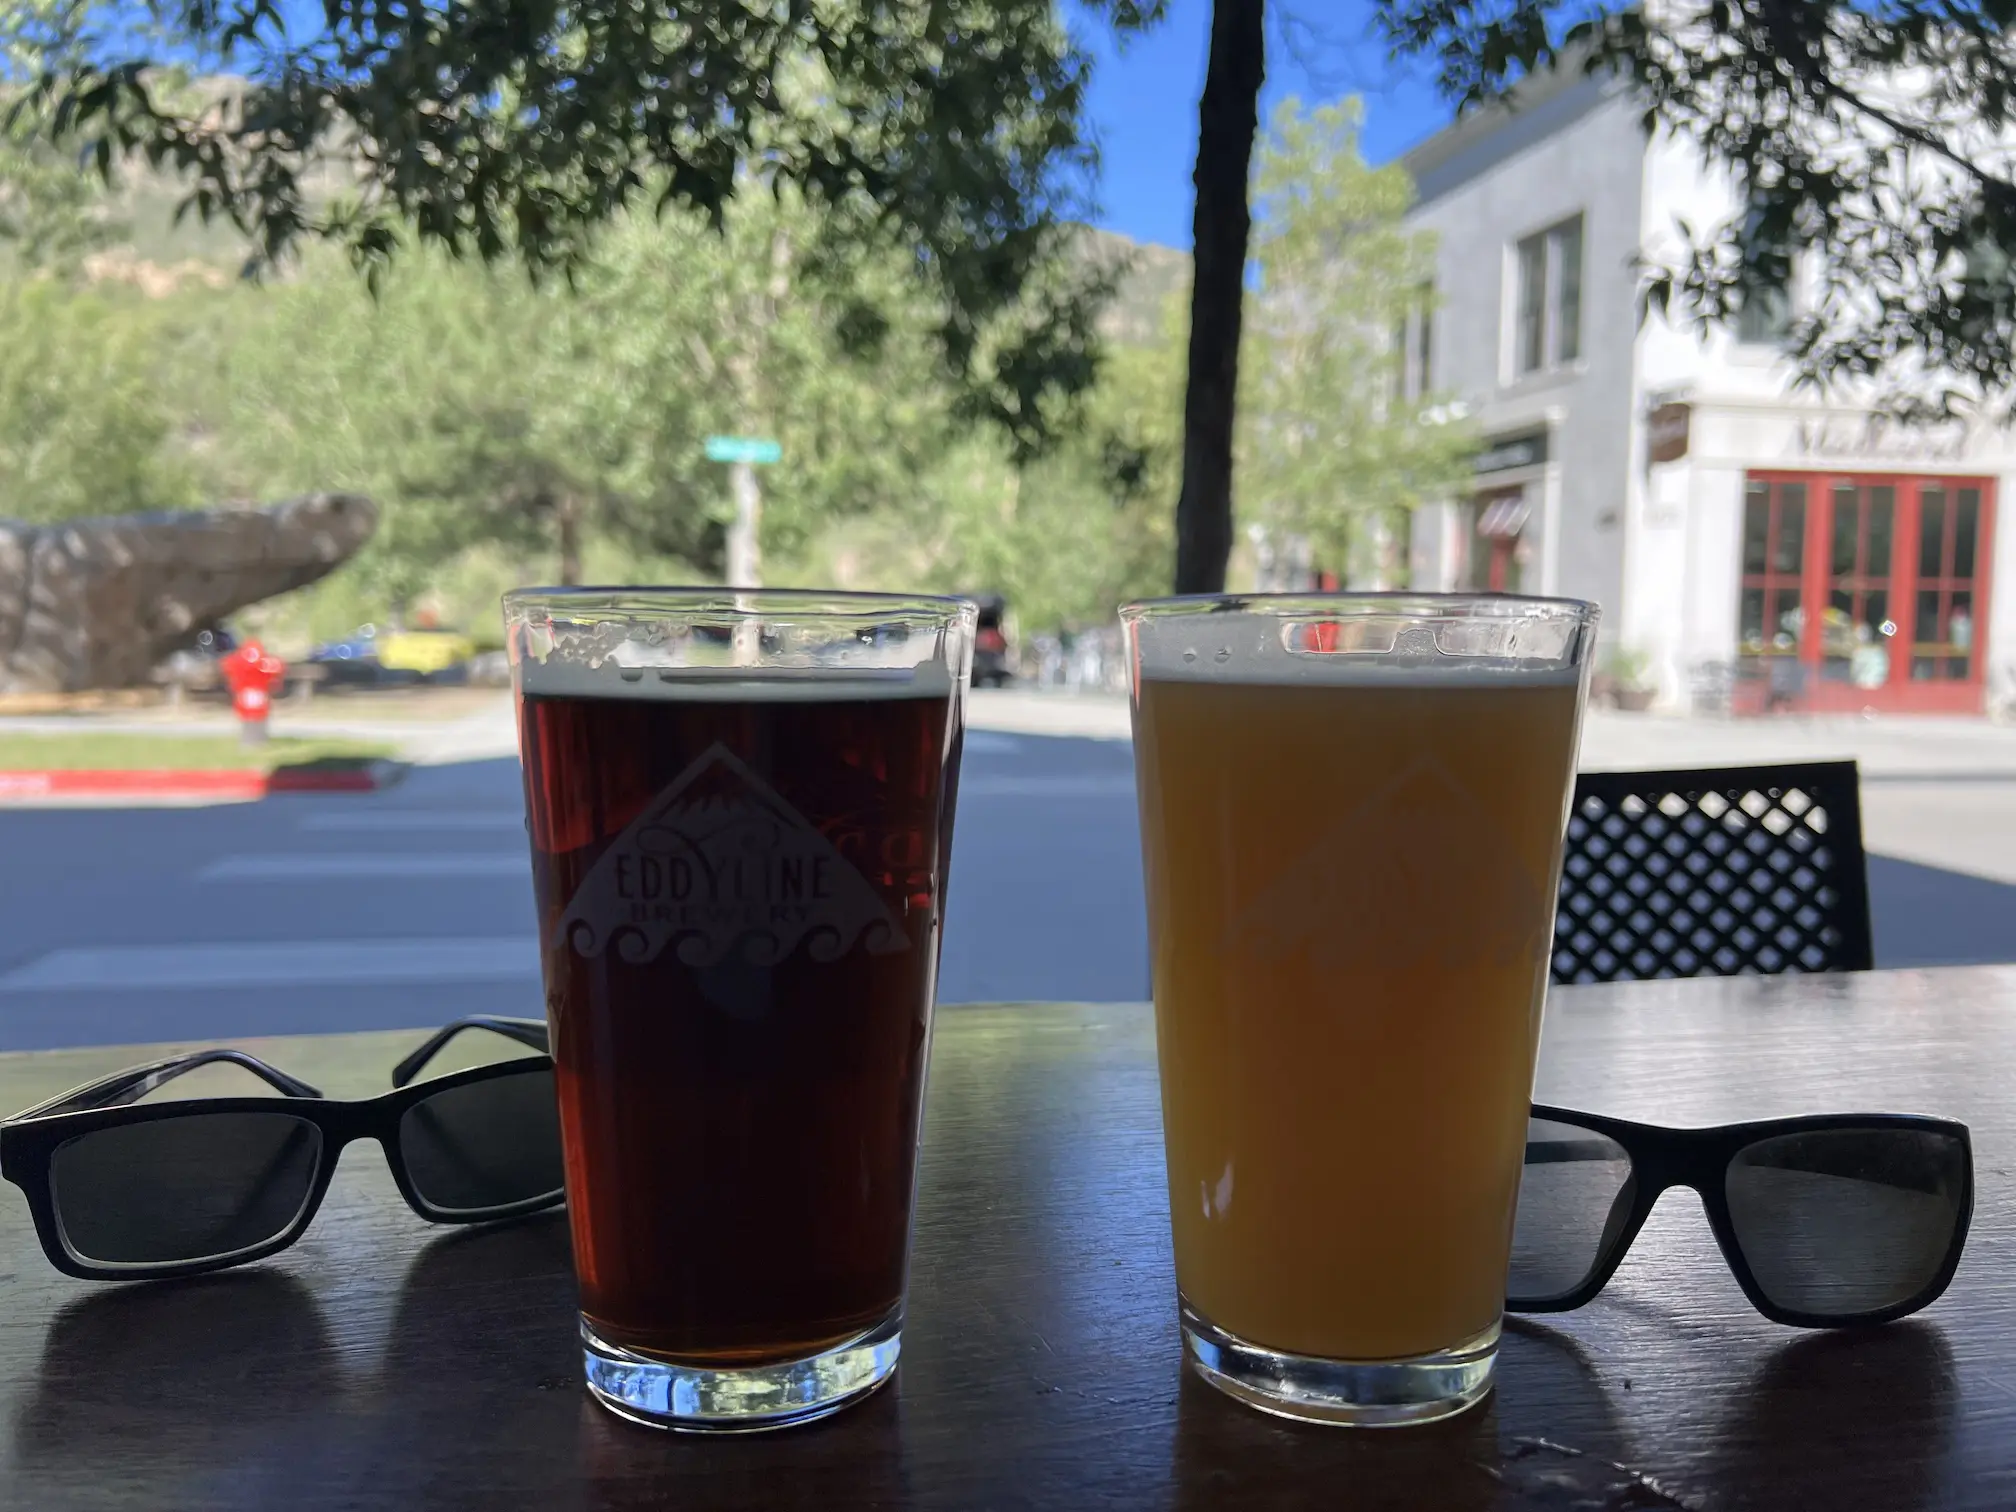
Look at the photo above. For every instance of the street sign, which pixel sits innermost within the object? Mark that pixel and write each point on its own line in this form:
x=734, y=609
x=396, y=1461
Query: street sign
x=742, y=449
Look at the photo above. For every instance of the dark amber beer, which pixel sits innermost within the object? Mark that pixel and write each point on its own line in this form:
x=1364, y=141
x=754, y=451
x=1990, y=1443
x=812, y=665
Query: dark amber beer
x=740, y=877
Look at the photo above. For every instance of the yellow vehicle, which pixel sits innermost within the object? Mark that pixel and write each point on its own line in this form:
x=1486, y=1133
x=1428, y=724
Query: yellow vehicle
x=425, y=652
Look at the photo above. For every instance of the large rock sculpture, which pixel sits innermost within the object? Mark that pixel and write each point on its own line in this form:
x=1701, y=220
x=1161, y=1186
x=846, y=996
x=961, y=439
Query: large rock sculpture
x=99, y=603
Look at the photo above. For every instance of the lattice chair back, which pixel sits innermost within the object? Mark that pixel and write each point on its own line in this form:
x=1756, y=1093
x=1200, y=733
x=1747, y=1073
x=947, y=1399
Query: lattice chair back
x=1727, y=871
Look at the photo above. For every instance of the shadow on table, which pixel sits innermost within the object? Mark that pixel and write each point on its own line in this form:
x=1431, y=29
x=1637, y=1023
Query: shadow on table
x=1933, y=916
x=1549, y=1438
x=1802, y=1434
x=1228, y=1455
x=479, y=1403
x=203, y=1391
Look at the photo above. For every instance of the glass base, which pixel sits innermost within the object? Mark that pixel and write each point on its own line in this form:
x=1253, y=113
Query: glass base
x=696, y=1399
x=1363, y=1394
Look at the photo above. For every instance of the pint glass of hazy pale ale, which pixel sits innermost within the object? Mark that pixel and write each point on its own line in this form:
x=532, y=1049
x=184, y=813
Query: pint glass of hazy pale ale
x=740, y=807
x=1352, y=810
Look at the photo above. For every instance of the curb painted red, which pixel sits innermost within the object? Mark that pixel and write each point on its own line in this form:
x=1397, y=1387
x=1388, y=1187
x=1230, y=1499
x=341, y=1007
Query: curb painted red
x=221, y=784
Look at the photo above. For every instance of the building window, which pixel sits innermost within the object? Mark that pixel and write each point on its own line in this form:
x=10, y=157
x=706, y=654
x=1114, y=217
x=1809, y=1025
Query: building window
x=1859, y=590
x=1766, y=315
x=1414, y=347
x=1548, y=316
x=1764, y=318
x=1424, y=344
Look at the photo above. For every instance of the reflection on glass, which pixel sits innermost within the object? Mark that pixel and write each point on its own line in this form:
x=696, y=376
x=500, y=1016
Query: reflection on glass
x=1929, y=629
x=1750, y=621
x=1847, y=528
x=1931, y=536
x=1791, y=527
x=1882, y=505
x=1756, y=527
x=1788, y=621
x=1966, y=522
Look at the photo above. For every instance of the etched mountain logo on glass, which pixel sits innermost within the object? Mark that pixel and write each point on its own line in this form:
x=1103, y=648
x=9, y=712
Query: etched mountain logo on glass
x=719, y=869
x=1420, y=873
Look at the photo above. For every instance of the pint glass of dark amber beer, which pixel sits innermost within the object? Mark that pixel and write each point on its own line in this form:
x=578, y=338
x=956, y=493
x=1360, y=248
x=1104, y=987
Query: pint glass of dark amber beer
x=740, y=807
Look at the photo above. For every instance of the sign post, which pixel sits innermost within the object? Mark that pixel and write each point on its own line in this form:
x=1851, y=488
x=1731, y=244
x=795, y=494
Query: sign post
x=744, y=454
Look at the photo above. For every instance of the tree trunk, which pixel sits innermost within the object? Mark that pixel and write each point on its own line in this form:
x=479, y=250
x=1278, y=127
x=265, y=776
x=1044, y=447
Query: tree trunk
x=569, y=517
x=1226, y=122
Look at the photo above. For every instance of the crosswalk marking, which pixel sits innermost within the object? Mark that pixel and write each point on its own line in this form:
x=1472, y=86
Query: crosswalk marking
x=295, y=963
x=414, y=821
x=331, y=866
x=1047, y=787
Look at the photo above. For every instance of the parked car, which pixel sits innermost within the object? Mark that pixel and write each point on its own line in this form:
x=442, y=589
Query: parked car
x=993, y=656
x=192, y=668
x=425, y=653
x=351, y=662
x=490, y=669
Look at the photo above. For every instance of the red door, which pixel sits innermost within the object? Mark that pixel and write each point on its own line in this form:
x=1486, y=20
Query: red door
x=1864, y=591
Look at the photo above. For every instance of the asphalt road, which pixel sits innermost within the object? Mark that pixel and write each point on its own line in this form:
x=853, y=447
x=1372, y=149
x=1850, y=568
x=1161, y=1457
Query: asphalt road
x=411, y=907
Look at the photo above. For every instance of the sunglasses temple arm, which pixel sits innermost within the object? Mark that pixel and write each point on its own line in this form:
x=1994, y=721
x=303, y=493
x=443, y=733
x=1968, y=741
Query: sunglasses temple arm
x=528, y=1032
x=130, y=1086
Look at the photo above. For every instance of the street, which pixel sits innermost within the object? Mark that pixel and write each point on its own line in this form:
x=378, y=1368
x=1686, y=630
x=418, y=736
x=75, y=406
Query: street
x=411, y=907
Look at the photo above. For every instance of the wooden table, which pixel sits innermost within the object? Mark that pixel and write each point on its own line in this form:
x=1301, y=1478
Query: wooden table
x=384, y=1364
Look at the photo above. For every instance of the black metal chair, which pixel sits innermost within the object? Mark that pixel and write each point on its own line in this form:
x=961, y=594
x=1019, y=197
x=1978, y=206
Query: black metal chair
x=1726, y=871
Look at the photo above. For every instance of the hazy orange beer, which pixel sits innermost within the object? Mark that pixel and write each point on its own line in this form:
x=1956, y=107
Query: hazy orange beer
x=1352, y=811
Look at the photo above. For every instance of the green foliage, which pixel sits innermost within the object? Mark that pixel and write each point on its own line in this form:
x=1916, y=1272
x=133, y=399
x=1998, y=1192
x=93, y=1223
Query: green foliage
x=480, y=410
x=84, y=429
x=518, y=129
x=1875, y=136
x=514, y=430
x=1328, y=439
x=50, y=214
x=1065, y=537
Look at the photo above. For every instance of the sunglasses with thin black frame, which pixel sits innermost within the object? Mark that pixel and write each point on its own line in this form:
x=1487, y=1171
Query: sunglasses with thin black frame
x=126, y=1192
x=1827, y=1221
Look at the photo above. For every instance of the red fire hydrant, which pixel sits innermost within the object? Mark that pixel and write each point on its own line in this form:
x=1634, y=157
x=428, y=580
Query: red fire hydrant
x=252, y=675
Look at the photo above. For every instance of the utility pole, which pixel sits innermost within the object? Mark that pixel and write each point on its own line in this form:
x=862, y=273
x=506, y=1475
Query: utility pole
x=745, y=551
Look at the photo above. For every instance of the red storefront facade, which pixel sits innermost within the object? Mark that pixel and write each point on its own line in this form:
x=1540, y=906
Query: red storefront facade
x=1864, y=591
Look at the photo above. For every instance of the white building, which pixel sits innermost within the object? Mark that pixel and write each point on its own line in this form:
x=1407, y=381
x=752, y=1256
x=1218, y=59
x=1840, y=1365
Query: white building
x=1731, y=527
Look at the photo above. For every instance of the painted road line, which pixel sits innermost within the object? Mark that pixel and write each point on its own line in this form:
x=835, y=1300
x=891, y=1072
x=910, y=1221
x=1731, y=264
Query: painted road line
x=1046, y=787
x=304, y=963
x=989, y=743
x=328, y=866
x=414, y=821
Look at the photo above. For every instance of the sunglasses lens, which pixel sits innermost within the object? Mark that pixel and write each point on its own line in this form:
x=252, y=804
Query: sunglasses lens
x=1574, y=1196
x=485, y=1145
x=197, y=1187
x=1845, y=1222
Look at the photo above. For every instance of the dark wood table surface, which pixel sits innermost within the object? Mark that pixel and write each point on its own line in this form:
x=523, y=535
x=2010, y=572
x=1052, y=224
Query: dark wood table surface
x=386, y=1364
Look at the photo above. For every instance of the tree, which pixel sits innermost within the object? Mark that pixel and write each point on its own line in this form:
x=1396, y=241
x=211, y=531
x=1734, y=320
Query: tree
x=1881, y=137
x=1068, y=535
x=84, y=429
x=50, y=213
x=1333, y=438
x=517, y=128
x=1228, y=116
x=481, y=412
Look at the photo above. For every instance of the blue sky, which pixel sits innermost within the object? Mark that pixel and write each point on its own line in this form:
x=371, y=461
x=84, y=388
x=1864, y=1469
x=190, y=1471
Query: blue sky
x=1144, y=103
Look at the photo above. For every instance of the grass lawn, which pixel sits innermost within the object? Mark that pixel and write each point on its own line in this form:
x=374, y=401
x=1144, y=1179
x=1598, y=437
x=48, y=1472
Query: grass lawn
x=108, y=751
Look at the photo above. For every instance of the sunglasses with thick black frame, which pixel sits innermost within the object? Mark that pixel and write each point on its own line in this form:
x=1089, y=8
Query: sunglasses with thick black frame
x=1827, y=1221
x=125, y=1192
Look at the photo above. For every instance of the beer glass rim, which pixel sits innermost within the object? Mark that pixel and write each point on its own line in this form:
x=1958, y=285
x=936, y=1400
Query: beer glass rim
x=835, y=603
x=1346, y=603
